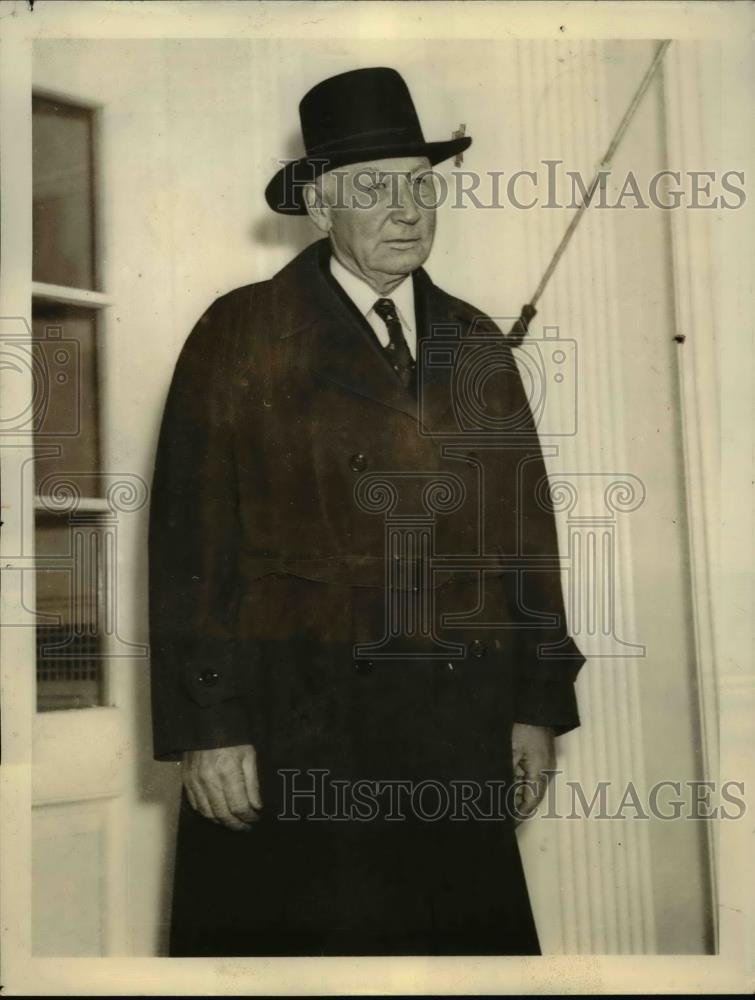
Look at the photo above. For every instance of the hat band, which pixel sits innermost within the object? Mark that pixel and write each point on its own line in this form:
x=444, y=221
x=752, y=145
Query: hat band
x=359, y=137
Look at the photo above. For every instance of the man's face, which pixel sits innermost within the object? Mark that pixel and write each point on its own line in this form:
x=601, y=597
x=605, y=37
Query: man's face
x=382, y=216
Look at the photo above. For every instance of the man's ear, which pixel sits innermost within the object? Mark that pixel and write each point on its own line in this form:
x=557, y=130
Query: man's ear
x=318, y=211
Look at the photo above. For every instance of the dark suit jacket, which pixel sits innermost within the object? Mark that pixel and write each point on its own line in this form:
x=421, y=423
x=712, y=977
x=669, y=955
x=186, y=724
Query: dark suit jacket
x=265, y=555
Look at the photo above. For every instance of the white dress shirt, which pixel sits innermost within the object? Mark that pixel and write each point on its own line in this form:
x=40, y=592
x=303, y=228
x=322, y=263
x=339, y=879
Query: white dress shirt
x=364, y=298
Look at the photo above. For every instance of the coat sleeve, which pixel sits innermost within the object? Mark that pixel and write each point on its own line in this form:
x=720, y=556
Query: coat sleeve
x=547, y=659
x=197, y=701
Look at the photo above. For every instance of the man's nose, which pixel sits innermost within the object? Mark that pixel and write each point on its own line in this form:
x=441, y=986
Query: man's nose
x=405, y=207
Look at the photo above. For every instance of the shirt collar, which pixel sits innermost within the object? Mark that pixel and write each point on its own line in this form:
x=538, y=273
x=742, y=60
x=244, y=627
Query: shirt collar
x=364, y=297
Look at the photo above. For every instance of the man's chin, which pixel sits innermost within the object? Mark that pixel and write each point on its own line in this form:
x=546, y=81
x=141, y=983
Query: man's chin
x=403, y=260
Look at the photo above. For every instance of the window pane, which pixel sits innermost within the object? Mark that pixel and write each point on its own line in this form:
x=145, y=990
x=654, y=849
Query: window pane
x=63, y=203
x=70, y=590
x=66, y=415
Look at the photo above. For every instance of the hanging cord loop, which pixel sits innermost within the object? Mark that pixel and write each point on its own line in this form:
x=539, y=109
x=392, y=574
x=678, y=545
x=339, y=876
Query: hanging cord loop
x=519, y=329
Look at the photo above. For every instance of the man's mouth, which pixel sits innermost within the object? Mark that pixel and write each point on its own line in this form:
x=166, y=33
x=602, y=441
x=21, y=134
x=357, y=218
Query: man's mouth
x=404, y=241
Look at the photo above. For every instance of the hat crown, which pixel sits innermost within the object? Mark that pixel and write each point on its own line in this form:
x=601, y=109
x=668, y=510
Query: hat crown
x=355, y=117
x=358, y=109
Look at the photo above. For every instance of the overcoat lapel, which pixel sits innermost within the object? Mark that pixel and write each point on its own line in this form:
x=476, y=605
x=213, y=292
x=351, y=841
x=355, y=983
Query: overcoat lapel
x=439, y=334
x=338, y=344
x=346, y=355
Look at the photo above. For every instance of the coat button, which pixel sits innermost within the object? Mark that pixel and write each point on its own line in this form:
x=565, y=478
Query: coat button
x=450, y=667
x=364, y=666
x=358, y=462
x=209, y=678
x=477, y=648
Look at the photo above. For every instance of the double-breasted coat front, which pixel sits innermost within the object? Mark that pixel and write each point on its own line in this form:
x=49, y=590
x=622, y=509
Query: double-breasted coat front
x=363, y=583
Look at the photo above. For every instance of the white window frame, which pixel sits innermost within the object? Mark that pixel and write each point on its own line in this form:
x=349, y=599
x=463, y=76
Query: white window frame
x=43, y=738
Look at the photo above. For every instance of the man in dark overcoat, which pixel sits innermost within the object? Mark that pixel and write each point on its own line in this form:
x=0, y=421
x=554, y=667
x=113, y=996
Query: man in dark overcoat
x=359, y=646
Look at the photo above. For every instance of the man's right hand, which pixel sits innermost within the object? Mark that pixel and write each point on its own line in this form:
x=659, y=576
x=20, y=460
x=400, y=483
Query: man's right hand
x=222, y=785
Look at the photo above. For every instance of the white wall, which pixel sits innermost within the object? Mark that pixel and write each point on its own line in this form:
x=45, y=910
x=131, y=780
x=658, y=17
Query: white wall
x=192, y=131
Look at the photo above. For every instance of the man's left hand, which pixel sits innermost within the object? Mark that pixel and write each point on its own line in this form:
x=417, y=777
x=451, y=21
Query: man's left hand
x=533, y=753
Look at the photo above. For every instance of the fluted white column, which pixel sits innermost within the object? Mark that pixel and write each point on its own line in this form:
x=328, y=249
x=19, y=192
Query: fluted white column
x=603, y=868
x=688, y=72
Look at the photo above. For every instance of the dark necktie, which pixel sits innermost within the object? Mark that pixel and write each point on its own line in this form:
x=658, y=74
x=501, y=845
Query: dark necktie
x=397, y=350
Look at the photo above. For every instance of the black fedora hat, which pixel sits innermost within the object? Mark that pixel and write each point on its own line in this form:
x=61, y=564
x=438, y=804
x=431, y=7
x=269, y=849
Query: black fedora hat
x=365, y=114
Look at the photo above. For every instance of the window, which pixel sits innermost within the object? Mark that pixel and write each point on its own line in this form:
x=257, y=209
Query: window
x=70, y=514
x=63, y=204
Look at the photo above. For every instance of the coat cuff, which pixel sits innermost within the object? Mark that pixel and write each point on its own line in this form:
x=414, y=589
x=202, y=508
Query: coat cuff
x=547, y=703
x=208, y=727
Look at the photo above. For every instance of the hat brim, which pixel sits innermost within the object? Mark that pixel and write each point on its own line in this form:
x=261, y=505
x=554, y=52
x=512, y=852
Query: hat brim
x=285, y=192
